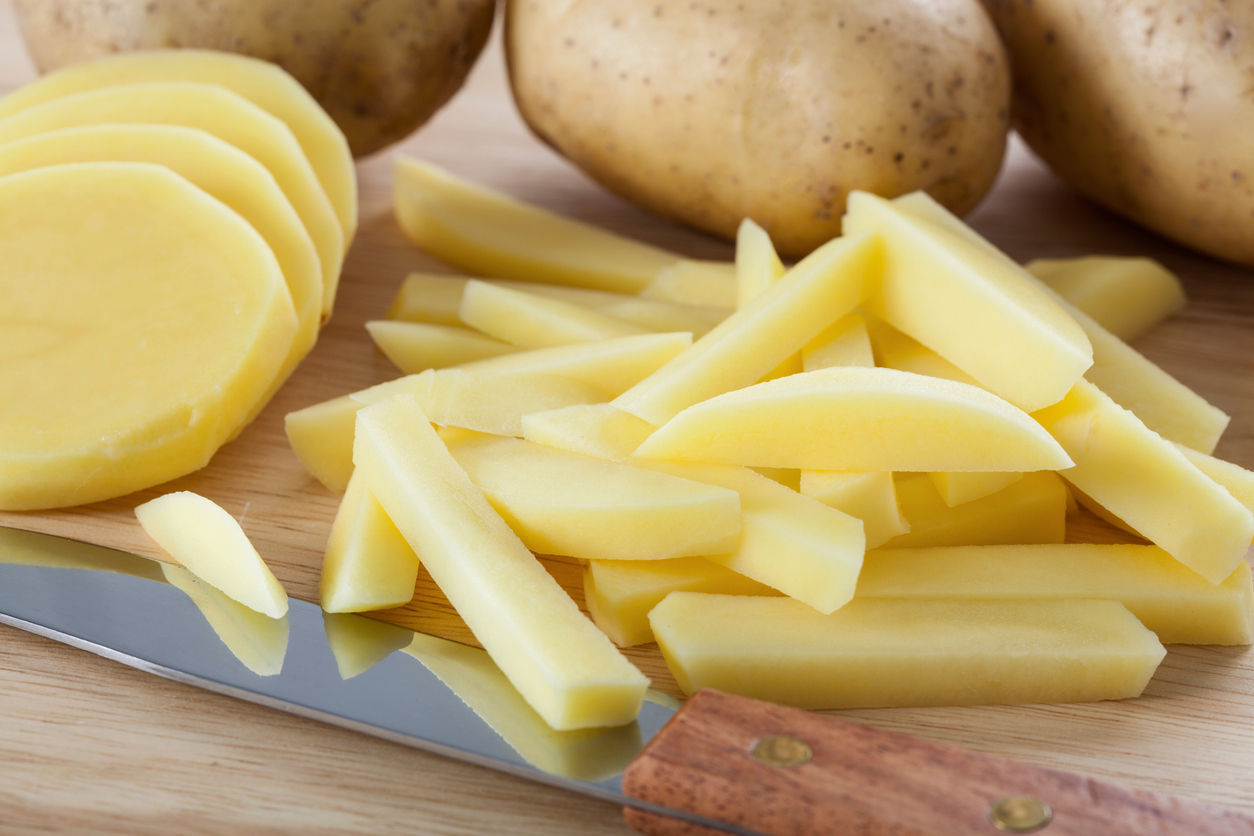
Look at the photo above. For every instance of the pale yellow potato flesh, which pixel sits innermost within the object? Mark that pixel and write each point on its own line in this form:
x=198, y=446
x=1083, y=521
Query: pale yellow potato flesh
x=934, y=279
x=258, y=641
x=1235, y=479
x=894, y=350
x=321, y=436
x=425, y=297
x=706, y=283
x=871, y=496
x=1144, y=480
x=1127, y=296
x=565, y=668
x=367, y=564
x=957, y=488
x=221, y=113
x=417, y=346
x=611, y=365
x=584, y=754
x=490, y=234
x=260, y=82
x=487, y=402
x=789, y=542
x=216, y=168
x=1176, y=604
x=846, y=342
x=1031, y=510
x=884, y=653
x=620, y=593
x=210, y=544
x=851, y=418
x=127, y=365
x=359, y=643
x=530, y=321
x=761, y=335
x=602, y=430
x=1167, y=406
x=564, y=503
x=757, y=264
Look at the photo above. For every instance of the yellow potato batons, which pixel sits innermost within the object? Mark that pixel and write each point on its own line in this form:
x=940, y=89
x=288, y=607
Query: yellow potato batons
x=217, y=111
x=983, y=313
x=565, y=668
x=260, y=82
x=489, y=234
x=851, y=418
x=757, y=338
x=530, y=321
x=367, y=565
x=1030, y=510
x=124, y=365
x=1128, y=296
x=221, y=171
x=417, y=346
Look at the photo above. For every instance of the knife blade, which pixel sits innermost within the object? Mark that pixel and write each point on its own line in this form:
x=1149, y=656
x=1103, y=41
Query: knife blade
x=719, y=764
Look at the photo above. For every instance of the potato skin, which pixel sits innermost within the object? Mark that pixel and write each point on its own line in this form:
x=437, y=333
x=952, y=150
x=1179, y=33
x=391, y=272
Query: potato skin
x=380, y=68
x=1147, y=108
x=714, y=110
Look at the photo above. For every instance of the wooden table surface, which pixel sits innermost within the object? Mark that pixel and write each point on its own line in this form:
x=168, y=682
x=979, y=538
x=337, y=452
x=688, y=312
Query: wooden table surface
x=89, y=746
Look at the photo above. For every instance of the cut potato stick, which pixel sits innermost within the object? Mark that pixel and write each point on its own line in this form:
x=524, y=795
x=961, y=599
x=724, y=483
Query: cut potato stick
x=706, y=283
x=487, y=402
x=489, y=234
x=565, y=668
x=417, y=346
x=530, y=321
x=1031, y=510
x=209, y=543
x=620, y=593
x=871, y=496
x=612, y=365
x=1145, y=481
x=368, y=565
x=221, y=113
x=1165, y=405
x=845, y=342
x=757, y=264
x=564, y=503
x=934, y=279
x=788, y=541
x=261, y=82
x=602, y=430
x=1128, y=296
x=894, y=350
x=321, y=436
x=1235, y=479
x=957, y=488
x=885, y=653
x=757, y=338
x=853, y=418
x=1178, y=605
x=429, y=297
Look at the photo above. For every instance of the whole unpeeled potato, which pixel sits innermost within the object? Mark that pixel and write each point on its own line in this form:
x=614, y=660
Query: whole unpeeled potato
x=380, y=68
x=713, y=111
x=1148, y=108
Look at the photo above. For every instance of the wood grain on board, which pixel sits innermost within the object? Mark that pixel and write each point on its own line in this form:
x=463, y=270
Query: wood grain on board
x=89, y=746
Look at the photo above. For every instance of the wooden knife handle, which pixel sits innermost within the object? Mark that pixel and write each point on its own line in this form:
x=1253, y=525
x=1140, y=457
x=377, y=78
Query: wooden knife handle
x=728, y=758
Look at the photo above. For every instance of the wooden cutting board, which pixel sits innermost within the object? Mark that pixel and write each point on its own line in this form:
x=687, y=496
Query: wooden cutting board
x=90, y=746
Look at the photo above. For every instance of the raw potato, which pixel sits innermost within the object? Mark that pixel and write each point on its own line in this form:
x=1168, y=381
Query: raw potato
x=116, y=378
x=1144, y=107
x=762, y=110
x=368, y=565
x=380, y=69
x=1126, y=296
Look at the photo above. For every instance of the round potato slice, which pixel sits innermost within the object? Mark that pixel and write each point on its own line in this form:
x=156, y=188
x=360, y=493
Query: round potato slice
x=262, y=83
x=221, y=171
x=222, y=113
x=140, y=322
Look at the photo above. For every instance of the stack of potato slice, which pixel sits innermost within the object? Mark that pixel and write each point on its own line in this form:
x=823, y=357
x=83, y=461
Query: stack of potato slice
x=906, y=388
x=175, y=226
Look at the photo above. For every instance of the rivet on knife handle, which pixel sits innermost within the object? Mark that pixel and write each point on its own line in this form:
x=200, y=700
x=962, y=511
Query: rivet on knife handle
x=742, y=761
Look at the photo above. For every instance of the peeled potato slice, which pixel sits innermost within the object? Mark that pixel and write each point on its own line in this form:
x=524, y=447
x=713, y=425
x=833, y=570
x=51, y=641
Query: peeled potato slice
x=221, y=171
x=1128, y=296
x=490, y=234
x=852, y=418
x=260, y=82
x=210, y=544
x=530, y=321
x=221, y=113
x=368, y=565
x=126, y=363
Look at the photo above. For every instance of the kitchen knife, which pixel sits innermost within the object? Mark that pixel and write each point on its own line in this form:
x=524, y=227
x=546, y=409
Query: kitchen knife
x=718, y=764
